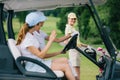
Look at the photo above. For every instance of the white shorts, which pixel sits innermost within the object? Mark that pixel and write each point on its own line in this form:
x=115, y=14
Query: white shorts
x=36, y=68
x=74, y=57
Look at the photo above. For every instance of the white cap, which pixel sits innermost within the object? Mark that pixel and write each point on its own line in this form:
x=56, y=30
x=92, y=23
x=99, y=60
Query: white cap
x=34, y=18
x=72, y=15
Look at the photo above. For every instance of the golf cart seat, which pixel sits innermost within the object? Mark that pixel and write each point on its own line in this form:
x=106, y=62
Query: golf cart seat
x=19, y=60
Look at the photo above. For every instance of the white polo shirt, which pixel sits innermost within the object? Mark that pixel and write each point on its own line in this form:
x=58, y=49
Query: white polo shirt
x=29, y=40
x=70, y=29
x=40, y=36
x=38, y=41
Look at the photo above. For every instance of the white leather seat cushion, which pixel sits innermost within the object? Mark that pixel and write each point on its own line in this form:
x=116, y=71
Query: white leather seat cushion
x=59, y=73
x=13, y=48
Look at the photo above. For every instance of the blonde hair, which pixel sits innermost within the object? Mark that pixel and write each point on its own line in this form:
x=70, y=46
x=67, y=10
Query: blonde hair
x=22, y=33
x=72, y=15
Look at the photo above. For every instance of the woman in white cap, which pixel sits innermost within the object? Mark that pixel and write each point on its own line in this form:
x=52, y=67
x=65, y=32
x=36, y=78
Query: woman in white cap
x=31, y=47
x=70, y=29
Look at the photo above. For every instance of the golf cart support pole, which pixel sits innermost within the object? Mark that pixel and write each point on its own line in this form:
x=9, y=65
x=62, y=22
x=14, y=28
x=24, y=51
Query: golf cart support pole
x=107, y=41
x=102, y=29
x=2, y=35
x=9, y=24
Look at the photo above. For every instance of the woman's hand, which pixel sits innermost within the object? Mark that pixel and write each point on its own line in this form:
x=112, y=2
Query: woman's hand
x=82, y=45
x=52, y=35
x=63, y=52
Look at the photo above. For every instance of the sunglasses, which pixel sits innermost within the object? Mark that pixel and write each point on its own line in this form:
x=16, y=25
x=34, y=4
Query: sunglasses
x=73, y=18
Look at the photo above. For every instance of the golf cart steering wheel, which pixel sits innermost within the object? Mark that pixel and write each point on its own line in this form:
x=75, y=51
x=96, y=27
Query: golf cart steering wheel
x=71, y=44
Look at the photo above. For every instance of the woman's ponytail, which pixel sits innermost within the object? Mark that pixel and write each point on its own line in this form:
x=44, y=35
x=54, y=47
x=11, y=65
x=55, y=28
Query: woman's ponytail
x=22, y=33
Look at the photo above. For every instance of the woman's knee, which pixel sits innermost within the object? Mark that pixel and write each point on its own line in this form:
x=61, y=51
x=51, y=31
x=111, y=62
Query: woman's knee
x=61, y=61
x=65, y=60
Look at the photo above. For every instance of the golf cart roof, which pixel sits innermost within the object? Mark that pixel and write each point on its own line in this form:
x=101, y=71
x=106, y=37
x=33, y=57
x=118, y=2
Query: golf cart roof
x=24, y=5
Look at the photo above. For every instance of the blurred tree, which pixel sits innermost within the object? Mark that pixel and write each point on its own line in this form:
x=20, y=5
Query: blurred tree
x=114, y=20
x=21, y=16
x=63, y=18
x=83, y=22
x=54, y=13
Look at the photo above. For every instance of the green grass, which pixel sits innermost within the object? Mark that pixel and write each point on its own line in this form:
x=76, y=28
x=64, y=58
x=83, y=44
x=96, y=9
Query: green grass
x=88, y=69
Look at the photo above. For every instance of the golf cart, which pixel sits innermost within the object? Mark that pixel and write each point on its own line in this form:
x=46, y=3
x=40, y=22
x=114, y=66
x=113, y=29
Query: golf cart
x=12, y=62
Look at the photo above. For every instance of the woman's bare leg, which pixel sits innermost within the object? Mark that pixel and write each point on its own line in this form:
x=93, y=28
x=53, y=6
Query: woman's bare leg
x=63, y=65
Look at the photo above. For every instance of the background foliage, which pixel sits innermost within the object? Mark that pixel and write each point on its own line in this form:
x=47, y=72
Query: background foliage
x=108, y=12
